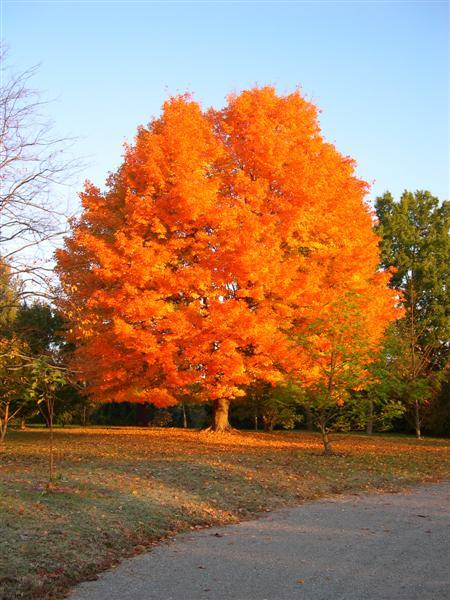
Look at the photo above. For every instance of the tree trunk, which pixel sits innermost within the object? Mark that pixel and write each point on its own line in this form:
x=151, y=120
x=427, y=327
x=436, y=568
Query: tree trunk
x=268, y=425
x=23, y=425
x=309, y=419
x=327, y=449
x=256, y=418
x=4, y=423
x=417, y=420
x=50, y=409
x=183, y=409
x=51, y=456
x=369, y=425
x=220, y=421
x=3, y=428
x=270, y=419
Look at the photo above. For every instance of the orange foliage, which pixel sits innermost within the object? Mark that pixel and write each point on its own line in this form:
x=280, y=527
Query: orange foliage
x=218, y=242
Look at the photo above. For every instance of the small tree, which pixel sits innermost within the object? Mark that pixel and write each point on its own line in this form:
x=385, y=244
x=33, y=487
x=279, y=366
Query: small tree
x=46, y=380
x=14, y=380
x=342, y=344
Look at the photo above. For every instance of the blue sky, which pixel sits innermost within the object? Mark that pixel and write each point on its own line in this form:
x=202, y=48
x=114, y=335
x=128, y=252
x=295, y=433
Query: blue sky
x=379, y=71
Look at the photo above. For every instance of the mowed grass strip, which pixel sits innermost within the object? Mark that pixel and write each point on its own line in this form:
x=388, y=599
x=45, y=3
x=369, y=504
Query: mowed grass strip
x=120, y=490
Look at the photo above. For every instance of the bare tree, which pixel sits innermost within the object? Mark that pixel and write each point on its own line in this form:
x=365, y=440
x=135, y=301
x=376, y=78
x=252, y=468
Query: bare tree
x=33, y=167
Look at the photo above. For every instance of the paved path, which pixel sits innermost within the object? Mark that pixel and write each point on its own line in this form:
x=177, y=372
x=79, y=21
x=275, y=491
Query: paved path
x=376, y=547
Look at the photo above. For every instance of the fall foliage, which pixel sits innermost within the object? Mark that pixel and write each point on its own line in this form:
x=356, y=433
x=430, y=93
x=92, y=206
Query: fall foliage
x=218, y=245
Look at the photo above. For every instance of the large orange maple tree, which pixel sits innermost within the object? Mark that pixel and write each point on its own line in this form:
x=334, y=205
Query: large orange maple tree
x=216, y=244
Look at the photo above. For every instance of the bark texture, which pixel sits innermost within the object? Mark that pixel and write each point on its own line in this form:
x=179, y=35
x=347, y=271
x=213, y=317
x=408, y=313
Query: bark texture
x=220, y=422
x=327, y=448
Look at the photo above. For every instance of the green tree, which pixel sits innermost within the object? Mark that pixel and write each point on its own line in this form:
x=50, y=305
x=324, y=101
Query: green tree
x=46, y=379
x=40, y=326
x=437, y=420
x=414, y=236
x=14, y=380
x=274, y=406
x=379, y=404
x=42, y=329
x=341, y=344
x=13, y=354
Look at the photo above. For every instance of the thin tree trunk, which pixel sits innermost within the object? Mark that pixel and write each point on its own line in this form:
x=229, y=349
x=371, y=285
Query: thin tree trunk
x=220, y=421
x=369, y=424
x=23, y=425
x=327, y=449
x=183, y=408
x=309, y=419
x=3, y=426
x=256, y=418
x=268, y=426
x=417, y=420
x=51, y=461
x=413, y=357
x=4, y=423
x=51, y=453
x=48, y=417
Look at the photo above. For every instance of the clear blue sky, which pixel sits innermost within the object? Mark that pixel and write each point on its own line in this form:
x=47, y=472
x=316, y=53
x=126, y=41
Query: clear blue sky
x=379, y=71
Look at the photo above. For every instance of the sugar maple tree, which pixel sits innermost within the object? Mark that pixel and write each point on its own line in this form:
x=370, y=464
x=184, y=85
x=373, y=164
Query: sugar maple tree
x=214, y=247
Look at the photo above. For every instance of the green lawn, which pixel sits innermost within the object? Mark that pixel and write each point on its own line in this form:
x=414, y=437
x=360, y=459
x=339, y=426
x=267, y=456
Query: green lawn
x=122, y=489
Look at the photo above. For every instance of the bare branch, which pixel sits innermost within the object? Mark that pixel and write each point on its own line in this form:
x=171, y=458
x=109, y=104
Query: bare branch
x=34, y=167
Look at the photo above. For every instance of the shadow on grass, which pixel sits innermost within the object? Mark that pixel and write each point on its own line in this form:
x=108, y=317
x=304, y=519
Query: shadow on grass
x=121, y=490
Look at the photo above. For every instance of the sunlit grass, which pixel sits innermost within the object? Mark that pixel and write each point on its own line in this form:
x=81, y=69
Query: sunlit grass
x=121, y=489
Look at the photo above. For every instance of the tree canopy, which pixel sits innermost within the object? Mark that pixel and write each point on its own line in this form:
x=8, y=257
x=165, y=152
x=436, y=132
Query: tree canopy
x=415, y=241
x=218, y=243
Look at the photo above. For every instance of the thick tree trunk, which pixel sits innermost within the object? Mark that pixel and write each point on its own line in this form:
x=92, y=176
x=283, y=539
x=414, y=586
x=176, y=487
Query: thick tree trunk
x=417, y=420
x=23, y=425
x=220, y=421
x=369, y=425
x=327, y=449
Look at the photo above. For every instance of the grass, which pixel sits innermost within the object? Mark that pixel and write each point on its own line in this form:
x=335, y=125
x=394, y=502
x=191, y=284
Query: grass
x=121, y=490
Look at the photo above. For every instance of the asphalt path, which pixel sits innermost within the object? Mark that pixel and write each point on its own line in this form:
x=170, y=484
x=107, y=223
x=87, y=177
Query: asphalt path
x=355, y=547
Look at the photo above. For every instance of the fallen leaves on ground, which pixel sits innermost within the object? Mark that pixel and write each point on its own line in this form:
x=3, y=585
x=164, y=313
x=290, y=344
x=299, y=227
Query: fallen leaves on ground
x=120, y=490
